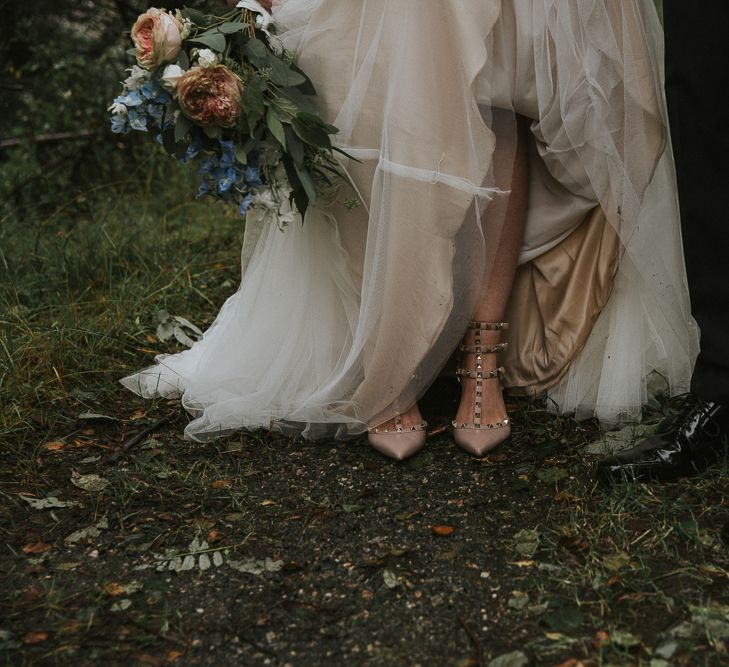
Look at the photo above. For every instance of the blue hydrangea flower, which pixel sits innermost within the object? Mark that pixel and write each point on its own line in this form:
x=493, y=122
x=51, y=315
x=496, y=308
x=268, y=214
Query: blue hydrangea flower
x=226, y=179
x=131, y=99
x=245, y=205
x=207, y=165
x=253, y=177
x=119, y=124
x=156, y=112
x=152, y=90
x=203, y=189
x=137, y=121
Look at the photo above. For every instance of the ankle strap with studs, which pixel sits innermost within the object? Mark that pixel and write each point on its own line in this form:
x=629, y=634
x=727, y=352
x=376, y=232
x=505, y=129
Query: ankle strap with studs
x=399, y=428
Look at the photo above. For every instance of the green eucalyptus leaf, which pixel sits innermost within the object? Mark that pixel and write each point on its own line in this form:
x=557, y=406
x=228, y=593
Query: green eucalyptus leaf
x=312, y=135
x=304, y=104
x=213, y=131
x=212, y=39
x=197, y=17
x=254, y=105
x=230, y=28
x=286, y=109
x=183, y=60
x=307, y=182
x=132, y=52
x=295, y=147
x=282, y=74
x=240, y=154
x=182, y=127
x=258, y=53
x=277, y=129
x=307, y=87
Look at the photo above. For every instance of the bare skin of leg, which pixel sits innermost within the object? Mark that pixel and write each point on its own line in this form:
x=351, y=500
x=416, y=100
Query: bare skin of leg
x=511, y=166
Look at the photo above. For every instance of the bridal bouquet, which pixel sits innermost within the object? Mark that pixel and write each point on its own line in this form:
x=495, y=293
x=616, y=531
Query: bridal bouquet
x=222, y=90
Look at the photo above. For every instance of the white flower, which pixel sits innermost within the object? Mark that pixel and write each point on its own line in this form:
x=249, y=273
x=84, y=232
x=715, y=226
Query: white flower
x=262, y=21
x=264, y=199
x=186, y=24
x=137, y=77
x=207, y=58
x=170, y=76
x=118, y=109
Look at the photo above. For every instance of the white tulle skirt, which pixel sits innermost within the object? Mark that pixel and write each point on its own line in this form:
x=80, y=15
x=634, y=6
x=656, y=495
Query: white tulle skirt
x=346, y=319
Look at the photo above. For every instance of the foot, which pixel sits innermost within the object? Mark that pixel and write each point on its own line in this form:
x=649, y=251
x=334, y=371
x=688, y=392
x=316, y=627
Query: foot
x=684, y=444
x=400, y=437
x=494, y=420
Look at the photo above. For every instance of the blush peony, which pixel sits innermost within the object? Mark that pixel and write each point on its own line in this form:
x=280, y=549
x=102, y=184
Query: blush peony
x=156, y=34
x=210, y=95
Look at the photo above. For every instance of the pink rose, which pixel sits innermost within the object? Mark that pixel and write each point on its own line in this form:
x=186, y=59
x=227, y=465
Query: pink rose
x=211, y=95
x=156, y=34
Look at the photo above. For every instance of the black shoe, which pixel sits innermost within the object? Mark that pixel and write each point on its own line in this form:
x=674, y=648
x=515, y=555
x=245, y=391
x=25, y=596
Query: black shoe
x=684, y=444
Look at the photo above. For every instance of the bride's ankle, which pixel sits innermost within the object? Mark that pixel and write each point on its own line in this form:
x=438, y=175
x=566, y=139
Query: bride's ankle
x=409, y=418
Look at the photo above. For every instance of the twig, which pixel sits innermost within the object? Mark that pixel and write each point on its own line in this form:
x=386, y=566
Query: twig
x=132, y=442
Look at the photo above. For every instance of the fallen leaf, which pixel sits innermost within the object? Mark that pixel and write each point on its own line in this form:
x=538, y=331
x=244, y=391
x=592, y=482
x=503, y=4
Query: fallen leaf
x=48, y=503
x=87, y=533
x=625, y=639
x=213, y=536
x=221, y=484
x=442, y=530
x=173, y=655
x=95, y=416
x=513, y=659
x=256, y=567
x=114, y=589
x=391, y=579
x=526, y=542
x=35, y=637
x=563, y=618
x=267, y=502
x=122, y=605
x=616, y=562
x=601, y=639
x=91, y=483
x=54, y=446
x=572, y=662
x=37, y=548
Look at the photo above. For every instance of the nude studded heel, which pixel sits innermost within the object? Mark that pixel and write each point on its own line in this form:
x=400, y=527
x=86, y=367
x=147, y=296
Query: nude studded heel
x=478, y=438
x=400, y=442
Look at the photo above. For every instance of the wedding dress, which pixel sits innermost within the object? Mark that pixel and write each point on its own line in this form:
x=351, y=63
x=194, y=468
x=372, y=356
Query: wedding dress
x=346, y=319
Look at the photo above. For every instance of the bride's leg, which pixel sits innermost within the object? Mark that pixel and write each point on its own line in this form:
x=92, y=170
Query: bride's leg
x=511, y=170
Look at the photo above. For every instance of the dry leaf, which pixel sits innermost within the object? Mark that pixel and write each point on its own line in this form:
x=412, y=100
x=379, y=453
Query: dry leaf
x=572, y=662
x=221, y=484
x=173, y=655
x=442, y=531
x=213, y=536
x=34, y=637
x=37, y=548
x=114, y=589
x=92, y=483
x=267, y=502
x=601, y=639
x=54, y=446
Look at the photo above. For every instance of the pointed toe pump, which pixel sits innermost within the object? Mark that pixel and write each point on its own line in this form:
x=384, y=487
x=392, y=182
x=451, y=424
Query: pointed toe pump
x=479, y=437
x=399, y=442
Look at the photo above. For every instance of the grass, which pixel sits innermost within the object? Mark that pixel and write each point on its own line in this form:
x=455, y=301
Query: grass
x=299, y=553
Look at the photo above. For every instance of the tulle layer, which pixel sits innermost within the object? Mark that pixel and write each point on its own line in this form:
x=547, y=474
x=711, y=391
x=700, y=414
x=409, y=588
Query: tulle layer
x=345, y=320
